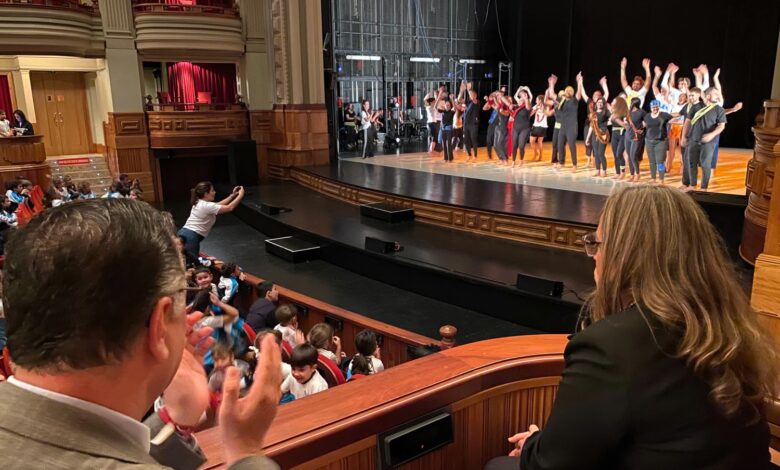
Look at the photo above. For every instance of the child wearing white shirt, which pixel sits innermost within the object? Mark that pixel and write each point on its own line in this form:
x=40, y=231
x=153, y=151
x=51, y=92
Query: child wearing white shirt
x=287, y=316
x=304, y=379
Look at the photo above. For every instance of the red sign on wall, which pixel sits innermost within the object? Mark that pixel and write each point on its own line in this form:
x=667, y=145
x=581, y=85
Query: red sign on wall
x=73, y=161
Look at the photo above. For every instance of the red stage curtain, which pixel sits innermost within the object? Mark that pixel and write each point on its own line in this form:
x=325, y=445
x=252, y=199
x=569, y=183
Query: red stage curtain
x=185, y=79
x=5, y=97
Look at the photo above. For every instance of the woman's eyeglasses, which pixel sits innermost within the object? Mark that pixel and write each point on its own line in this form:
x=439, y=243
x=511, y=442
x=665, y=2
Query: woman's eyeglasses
x=591, y=244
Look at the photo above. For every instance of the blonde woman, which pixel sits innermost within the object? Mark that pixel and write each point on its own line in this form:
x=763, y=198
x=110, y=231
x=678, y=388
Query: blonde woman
x=671, y=369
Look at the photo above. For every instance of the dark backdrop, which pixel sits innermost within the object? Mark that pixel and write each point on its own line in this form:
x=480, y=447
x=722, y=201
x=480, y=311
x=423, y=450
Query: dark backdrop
x=565, y=36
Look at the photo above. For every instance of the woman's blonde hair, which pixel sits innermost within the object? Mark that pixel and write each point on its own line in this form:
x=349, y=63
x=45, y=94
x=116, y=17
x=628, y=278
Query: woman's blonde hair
x=659, y=251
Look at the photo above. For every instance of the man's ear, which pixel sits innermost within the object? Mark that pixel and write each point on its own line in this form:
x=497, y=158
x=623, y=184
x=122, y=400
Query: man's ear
x=158, y=328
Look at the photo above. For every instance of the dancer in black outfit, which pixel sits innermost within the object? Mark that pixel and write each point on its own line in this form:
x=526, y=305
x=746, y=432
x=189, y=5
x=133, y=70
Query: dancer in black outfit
x=566, y=114
x=447, y=124
x=501, y=139
x=521, y=128
x=471, y=123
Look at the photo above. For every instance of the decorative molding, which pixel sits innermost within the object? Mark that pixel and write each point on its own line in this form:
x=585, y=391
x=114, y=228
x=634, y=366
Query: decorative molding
x=161, y=34
x=182, y=129
x=49, y=31
x=280, y=51
x=127, y=151
x=493, y=224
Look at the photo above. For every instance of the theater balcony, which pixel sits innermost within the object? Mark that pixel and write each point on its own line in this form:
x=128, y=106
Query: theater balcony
x=202, y=28
x=196, y=125
x=51, y=27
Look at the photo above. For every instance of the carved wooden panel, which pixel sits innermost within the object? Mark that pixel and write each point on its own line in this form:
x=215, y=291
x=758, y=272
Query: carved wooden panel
x=22, y=150
x=506, y=226
x=178, y=129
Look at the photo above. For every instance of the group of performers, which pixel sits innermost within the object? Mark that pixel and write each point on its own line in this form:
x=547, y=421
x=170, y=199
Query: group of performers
x=685, y=117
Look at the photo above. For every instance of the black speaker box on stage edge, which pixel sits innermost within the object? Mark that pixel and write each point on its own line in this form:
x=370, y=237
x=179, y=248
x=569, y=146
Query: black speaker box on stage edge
x=538, y=285
x=379, y=246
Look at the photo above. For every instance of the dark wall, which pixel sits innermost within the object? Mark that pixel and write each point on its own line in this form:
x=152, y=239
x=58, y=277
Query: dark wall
x=566, y=36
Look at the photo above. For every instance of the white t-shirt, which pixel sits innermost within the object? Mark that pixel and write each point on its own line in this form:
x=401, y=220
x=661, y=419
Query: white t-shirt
x=540, y=119
x=365, y=120
x=315, y=384
x=5, y=128
x=329, y=354
x=432, y=114
x=202, y=217
x=631, y=94
x=288, y=334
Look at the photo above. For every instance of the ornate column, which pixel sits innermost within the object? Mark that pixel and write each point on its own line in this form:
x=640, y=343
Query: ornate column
x=761, y=235
x=127, y=141
x=299, y=125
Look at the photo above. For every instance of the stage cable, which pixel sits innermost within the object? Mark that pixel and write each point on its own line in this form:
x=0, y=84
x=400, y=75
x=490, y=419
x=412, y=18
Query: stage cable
x=498, y=25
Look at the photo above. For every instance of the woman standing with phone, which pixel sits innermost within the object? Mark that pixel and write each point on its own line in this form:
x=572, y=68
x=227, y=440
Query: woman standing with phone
x=203, y=215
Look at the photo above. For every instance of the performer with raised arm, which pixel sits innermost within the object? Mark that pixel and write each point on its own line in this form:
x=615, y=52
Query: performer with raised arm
x=566, y=115
x=678, y=96
x=501, y=138
x=540, y=112
x=638, y=87
x=521, y=128
x=588, y=130
x=471, y=123
x=491, y=103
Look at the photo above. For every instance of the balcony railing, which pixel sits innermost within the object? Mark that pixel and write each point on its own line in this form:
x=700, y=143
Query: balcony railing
x=205, y=7
x=90, y=7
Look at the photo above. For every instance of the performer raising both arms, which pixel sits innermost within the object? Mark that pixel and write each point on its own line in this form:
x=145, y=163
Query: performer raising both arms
x=471, y=123
x=566, y=115
x=540, y=112
x=521, y=128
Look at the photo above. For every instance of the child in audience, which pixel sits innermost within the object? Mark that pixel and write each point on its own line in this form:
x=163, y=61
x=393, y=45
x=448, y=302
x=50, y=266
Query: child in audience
x=59, y=186
x=368, y=347
x=322, y=337
x=17, y=193
x=304, y=380
x=261, y=313
x=53, y=197
x=286, y=369
x=114, y=191
x=223, y=358
x=70, y=187
x=287, y=316
x=85, y=191
x=360, y=368
x=7, y=218
x=203, y=278
x=228, y=283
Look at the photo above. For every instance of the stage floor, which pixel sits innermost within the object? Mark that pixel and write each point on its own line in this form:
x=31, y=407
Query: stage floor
x=728, y=178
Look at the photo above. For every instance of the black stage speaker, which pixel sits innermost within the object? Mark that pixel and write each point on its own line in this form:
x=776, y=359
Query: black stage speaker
x=415, y=439
x=381, y=246
x=272, y=210
x=242, y=162
x=539, y=285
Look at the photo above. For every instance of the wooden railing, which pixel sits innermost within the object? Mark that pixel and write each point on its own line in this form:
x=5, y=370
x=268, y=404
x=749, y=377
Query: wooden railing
x=194, y=107
x=194, y=129
x=199, y=7
x=75, y=5
x=492, y=388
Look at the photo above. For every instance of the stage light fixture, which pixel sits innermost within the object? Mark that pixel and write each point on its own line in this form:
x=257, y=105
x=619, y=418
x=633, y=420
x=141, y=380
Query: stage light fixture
x=430, y=60
x=471, y=61
x=364, y=57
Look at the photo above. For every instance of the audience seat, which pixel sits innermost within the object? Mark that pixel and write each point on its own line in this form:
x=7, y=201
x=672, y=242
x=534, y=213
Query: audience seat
x=5, y=363
x=286, y=351
x=330, y=372
x=23, y=214
x=250, y=333
x=36, y=196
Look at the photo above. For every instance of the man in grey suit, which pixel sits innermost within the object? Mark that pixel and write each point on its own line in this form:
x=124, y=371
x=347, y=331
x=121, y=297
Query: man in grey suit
x=97, y=328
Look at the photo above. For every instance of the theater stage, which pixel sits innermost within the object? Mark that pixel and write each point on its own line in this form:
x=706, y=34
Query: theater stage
x=728, y=178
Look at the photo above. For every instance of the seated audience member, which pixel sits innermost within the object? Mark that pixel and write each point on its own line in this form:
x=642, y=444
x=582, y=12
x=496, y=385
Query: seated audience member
x=304, y=379
x=223, y=359
x=5, y=126
x=228, y=282
x=136, y=193
x=285, y=369
x=85, y=191
x=361, y=367
x=82, y=383
x=17, y=193
x=368, y=347
x=202, y=278
x=70, y=187
x=671, y=368
x=287, y=316
x=322, y=337
x=113, y=191
x=8, y=221
x=52, y=197
x=421, y=351
x=59, y=186
x=262, y=312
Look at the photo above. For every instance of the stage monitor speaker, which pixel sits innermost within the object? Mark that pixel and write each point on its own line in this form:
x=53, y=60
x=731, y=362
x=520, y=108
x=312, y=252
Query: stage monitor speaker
x=381, y=246
x=268, y=209
x=415, y=439
x=539, y=285
x=242, y=162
